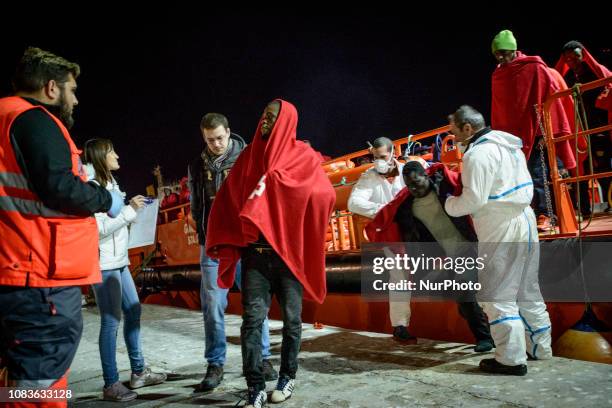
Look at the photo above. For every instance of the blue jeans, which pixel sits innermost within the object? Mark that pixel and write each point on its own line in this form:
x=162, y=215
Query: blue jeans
x=115, y=294
x=214, y=303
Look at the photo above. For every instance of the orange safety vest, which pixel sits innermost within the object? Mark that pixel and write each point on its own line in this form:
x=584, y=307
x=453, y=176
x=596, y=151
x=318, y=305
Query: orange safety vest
x=40, y=247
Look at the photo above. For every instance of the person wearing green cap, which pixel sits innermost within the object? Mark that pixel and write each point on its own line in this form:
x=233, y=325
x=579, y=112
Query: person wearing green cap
x=520, y=83
x=504, y=47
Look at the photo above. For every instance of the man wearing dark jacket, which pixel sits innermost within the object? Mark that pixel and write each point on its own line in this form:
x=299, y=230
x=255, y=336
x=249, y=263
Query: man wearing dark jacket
x=49, y=237
x=417, y=215
x=205, y=176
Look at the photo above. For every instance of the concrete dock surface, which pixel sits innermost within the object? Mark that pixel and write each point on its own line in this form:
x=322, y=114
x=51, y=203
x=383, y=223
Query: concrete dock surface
x=338, y=368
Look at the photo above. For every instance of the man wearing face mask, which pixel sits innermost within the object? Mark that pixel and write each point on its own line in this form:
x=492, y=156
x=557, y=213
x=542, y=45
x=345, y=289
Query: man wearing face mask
x=377, y=187
x=417, y=215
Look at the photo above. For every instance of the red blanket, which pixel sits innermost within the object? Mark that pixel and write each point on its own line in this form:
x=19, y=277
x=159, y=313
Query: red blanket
x=516, y=88
x=565, y=150
x=604, y=101
x=279, y=189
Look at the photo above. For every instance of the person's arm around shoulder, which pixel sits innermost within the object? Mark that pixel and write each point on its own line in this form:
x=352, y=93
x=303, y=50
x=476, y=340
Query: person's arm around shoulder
x=477, y=178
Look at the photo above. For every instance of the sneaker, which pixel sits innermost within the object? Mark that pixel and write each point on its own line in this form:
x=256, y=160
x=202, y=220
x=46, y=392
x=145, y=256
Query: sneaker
x=147, y=377
x=256, y=398
x=212, y=379
x=400, y=333
x=490, y=365
x=544, y=224
x=482, y=346
x=118, y=393
x=284, y=389
x=269, y=372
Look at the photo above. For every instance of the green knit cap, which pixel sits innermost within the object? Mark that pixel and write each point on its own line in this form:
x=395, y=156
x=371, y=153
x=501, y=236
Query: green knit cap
x=504, y=41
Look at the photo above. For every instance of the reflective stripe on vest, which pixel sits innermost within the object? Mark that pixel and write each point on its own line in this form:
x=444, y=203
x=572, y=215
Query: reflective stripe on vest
x=42, y=247
x=13, y=180
x=28, y=207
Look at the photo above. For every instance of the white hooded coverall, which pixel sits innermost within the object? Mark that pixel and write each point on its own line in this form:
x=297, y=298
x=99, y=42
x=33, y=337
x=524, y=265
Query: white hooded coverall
x=371, y=193
x=497, y=192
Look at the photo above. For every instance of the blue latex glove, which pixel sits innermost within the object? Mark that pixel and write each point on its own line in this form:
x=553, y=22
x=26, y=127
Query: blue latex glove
x=117, y=204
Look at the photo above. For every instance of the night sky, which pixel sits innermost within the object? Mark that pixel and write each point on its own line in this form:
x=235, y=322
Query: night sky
x=352, y=79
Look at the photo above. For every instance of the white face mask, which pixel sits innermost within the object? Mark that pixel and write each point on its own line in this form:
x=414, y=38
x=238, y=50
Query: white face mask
x=381, y=166
x=384, y=166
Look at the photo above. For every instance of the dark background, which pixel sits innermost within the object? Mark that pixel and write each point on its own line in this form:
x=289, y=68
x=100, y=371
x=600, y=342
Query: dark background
x=146, y=86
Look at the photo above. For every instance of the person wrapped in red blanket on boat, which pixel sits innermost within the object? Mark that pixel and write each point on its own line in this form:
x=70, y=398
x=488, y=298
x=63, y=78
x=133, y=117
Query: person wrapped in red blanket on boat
x=577, y=66
x=520, y=86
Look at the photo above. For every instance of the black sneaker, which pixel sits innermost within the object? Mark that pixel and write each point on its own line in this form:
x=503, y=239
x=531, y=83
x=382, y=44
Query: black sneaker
x=400, y=333
x=490, y=365
x=214, y=376
x=256, y=398
x=482, y=346
x=269, y=372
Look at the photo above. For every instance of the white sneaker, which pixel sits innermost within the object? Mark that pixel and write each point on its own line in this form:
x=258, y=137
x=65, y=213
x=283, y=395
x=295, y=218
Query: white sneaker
x=256, y=399
x=284, y=389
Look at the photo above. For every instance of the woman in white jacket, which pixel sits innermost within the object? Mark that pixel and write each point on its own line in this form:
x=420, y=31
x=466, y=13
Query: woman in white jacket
x=117, y=292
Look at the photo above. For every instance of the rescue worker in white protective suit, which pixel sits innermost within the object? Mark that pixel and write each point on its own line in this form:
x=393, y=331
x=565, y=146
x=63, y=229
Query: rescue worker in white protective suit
x=497, y=191
x=377, y=187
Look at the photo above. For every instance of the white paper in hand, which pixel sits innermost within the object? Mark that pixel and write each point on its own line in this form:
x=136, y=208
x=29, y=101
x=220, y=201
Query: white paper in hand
x=142, y=231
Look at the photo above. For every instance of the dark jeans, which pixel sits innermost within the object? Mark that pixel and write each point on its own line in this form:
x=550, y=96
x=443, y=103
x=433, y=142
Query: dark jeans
x=265, y=274
x=476, y=319
x=534, y=164
x=40, y=330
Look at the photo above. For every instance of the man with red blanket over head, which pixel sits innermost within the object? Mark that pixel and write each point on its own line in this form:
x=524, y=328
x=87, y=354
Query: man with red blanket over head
x=273, y=211
x=519, y=83
x=598, y=107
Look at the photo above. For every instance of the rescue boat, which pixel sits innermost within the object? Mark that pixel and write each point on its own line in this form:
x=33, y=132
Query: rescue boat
x=168, y=272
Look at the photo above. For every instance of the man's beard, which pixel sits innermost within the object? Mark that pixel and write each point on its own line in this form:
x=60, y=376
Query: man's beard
x=65, y=113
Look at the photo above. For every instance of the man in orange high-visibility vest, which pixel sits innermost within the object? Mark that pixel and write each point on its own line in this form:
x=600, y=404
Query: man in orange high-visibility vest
x=49, y=237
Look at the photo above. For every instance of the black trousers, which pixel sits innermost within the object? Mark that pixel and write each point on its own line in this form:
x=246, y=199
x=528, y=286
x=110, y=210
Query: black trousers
x=264, y=274
x=534, y=165
x=476, y=320
x=40, y=330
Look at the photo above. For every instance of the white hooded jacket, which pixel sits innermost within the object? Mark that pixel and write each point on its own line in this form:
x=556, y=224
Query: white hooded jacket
x=372, y=192
x=113, y=232
x=496, y=182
